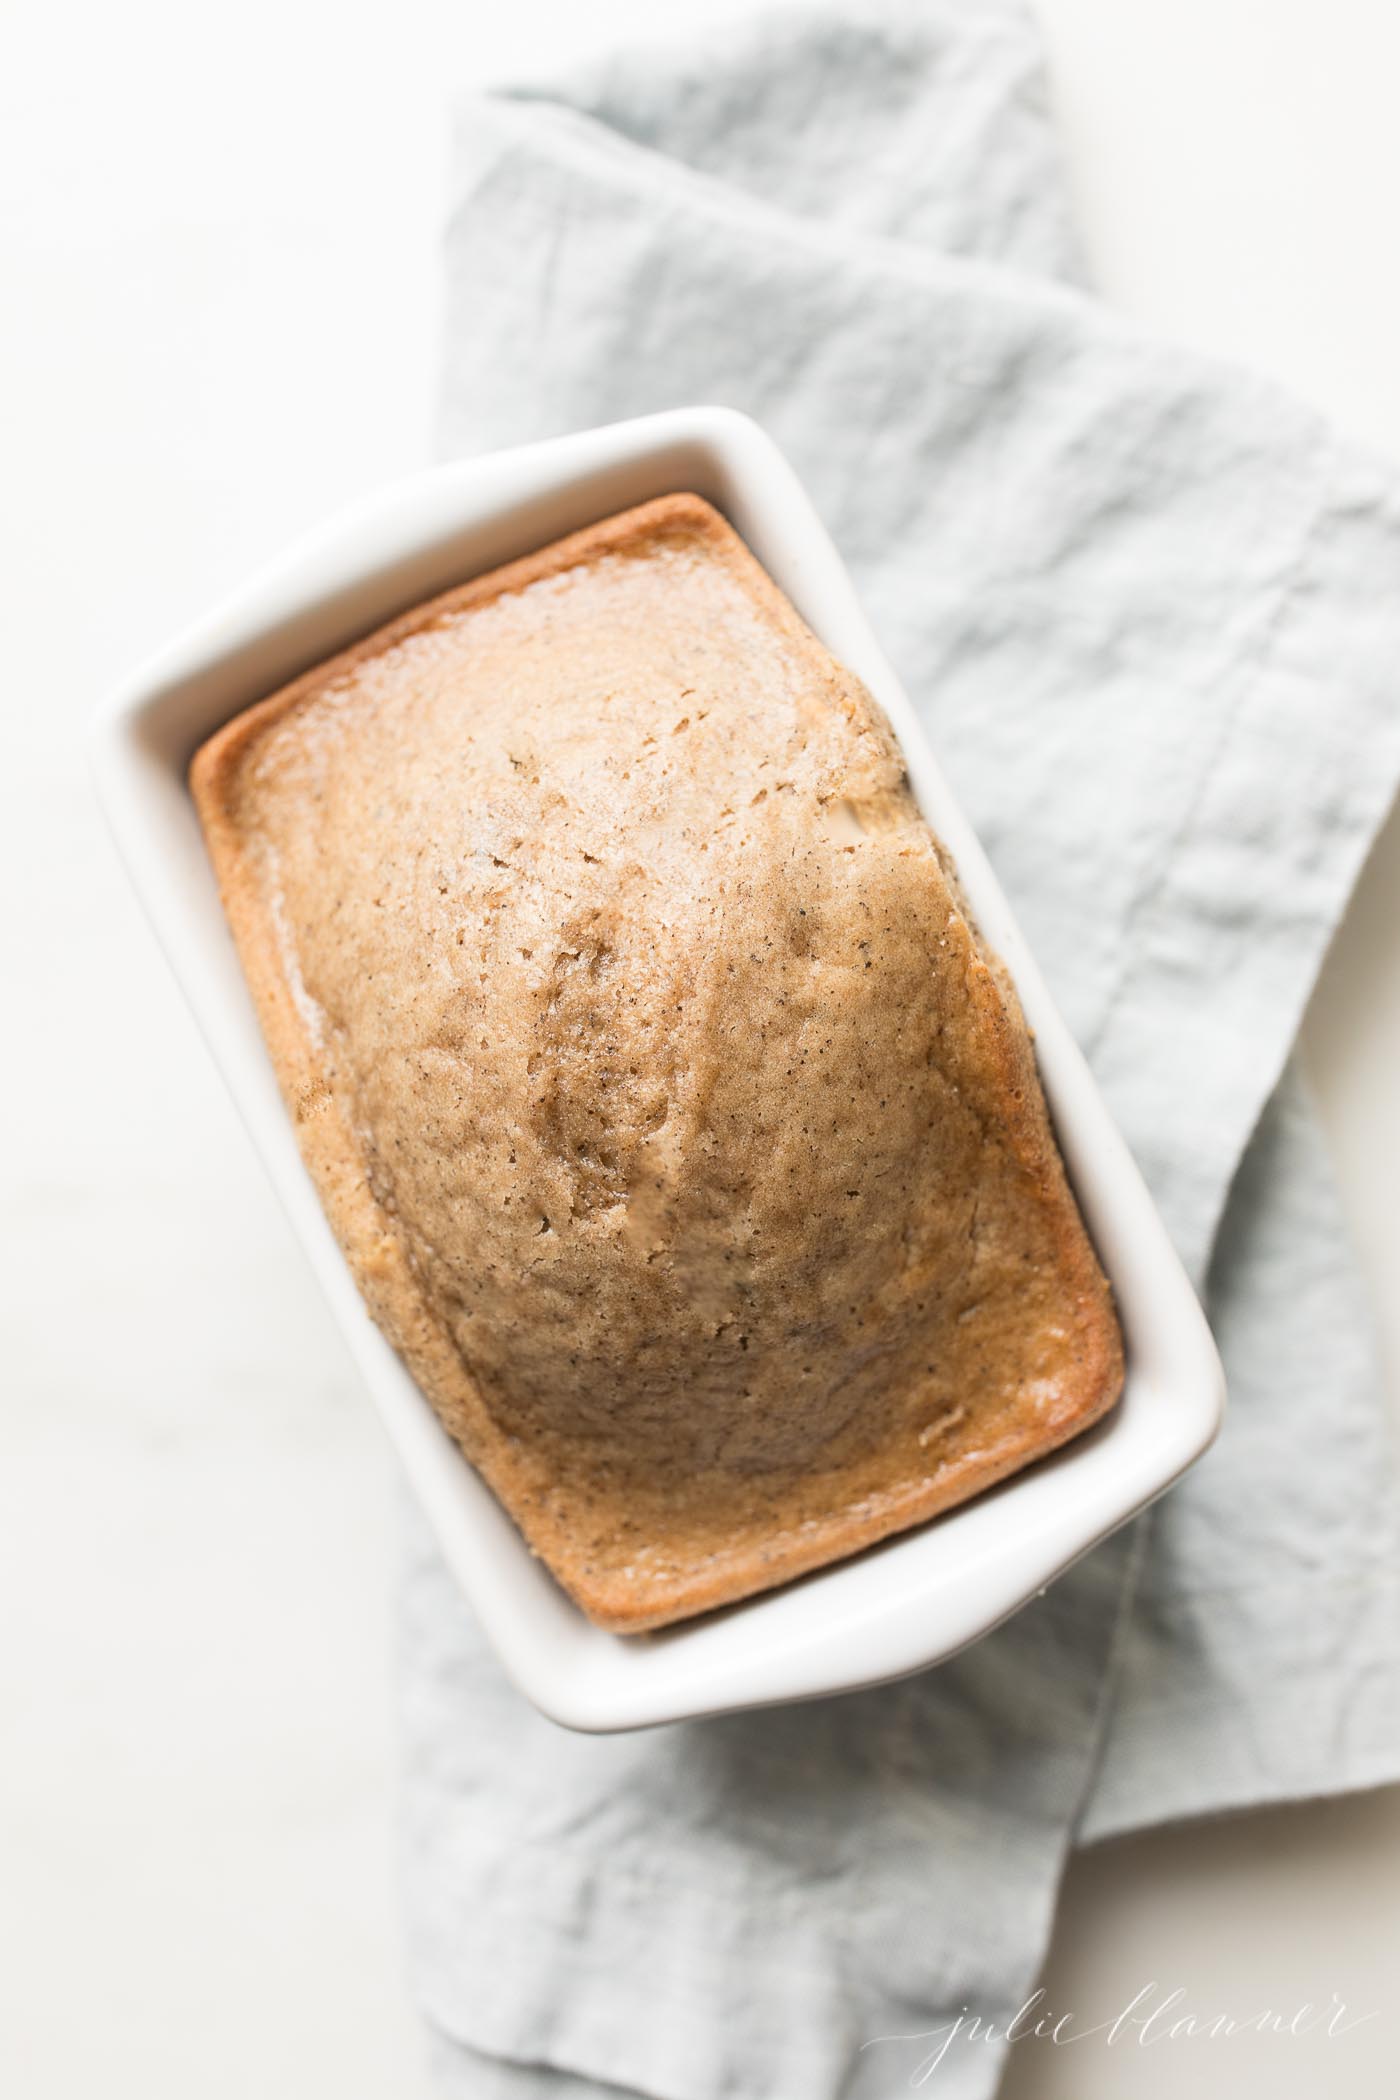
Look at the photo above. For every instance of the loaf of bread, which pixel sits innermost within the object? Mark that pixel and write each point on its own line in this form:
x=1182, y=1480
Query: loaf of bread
x=679, y=1131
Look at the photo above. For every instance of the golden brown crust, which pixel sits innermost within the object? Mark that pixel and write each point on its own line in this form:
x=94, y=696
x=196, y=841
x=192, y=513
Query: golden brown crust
x=657, y=1474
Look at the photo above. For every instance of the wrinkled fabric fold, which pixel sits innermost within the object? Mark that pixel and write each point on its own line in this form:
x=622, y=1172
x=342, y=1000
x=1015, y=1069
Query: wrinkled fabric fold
x=1149, y=610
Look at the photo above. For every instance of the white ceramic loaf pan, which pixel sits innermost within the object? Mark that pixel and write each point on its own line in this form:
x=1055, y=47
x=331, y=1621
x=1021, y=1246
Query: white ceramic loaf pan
x=898, y=1607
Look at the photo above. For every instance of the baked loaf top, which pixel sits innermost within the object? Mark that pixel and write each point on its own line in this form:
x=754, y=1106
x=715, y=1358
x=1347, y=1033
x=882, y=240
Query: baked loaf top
x=676, y=1127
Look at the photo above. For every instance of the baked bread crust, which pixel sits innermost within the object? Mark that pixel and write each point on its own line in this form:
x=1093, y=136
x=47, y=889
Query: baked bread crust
x=703, y=1181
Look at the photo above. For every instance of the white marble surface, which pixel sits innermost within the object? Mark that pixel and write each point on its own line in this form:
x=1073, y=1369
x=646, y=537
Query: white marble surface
x=217, y=248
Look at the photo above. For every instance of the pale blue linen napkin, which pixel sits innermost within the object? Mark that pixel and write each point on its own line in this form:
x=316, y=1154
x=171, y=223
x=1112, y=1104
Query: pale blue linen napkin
x=1150, y=612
